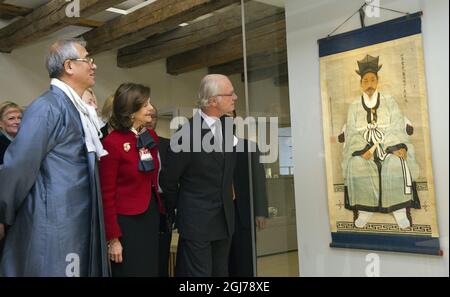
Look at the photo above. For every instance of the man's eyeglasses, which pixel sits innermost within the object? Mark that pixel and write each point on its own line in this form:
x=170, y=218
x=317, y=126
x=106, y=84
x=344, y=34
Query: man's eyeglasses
x=87, y=60
x=225, y=95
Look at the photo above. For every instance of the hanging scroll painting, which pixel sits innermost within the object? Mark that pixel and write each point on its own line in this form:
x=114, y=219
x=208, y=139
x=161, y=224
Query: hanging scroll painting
x=377, y=142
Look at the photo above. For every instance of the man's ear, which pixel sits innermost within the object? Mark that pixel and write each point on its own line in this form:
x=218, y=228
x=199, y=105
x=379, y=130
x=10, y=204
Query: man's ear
x=213, y=101
x=68, y=67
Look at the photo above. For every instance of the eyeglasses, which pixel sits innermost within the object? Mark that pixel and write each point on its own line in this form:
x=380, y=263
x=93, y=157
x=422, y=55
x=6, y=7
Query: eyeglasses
x=225, y=95
x=87, y=60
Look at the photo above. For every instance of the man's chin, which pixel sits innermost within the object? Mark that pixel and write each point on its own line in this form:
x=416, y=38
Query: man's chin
x=370, y=93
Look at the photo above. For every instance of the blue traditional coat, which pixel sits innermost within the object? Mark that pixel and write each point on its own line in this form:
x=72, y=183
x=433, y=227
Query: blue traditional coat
x=50, y=195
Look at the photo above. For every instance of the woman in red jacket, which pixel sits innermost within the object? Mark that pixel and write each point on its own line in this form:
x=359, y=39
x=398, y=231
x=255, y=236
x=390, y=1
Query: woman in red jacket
x=129, y=180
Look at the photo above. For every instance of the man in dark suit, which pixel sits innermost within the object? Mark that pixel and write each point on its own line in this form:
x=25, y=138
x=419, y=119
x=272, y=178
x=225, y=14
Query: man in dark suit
x=199, y=180
x=165, y=230
x=242, y=250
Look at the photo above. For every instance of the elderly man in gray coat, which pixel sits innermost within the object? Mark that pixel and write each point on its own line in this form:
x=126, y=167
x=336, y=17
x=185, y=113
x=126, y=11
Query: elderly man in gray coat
x=49, y=183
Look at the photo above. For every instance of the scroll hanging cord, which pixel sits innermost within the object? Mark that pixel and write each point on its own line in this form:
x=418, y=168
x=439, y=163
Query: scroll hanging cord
x=362, y=7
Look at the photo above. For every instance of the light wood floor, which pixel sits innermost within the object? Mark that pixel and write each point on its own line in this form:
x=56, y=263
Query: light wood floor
x=285, y=264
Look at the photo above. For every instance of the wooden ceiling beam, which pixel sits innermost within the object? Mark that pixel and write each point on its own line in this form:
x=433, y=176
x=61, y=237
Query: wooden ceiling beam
x=156, y=18
x=230, y=68
x=263, y=40
x=268, y=72
x=45, y=20
x=208, y=31
x=282, y=80
x=82, y=22
x=254, y=62
x=8, y=11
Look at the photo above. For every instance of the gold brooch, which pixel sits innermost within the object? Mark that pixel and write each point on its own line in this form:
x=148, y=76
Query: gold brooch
x=126, y=147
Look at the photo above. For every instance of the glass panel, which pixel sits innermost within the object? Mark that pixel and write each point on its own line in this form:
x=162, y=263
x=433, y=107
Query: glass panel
x=265, y=95
x=268, y=97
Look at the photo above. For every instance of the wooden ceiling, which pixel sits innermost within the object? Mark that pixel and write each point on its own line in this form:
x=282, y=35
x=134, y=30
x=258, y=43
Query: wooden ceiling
x=212, y=39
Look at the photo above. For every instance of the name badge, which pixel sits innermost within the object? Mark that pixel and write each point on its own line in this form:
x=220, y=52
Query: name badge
x=145, y=155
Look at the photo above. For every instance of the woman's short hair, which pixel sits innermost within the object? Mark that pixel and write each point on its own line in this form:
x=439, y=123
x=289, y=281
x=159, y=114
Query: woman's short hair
x=128, y=99
x=9, y=105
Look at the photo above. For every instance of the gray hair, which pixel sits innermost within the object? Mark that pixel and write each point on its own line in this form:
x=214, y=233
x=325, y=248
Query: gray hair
x=209, y=87
x=60, y=52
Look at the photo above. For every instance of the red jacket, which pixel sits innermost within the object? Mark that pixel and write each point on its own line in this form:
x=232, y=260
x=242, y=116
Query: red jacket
x=125, y=189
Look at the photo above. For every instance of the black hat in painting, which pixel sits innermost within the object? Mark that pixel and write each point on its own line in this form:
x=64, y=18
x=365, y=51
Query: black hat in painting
x=368, y=64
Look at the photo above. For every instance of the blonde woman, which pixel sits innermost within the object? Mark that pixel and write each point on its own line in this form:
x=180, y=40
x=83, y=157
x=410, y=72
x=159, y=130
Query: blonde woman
x=10, y=118
x=105, y=115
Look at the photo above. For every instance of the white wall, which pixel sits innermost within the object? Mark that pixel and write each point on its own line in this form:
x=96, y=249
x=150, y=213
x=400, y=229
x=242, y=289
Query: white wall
x=308, y=21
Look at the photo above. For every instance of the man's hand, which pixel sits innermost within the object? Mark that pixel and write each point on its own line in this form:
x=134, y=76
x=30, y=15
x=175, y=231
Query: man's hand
x=260, y=222
x=115, y=250
x=2, y=231
x=401, y=153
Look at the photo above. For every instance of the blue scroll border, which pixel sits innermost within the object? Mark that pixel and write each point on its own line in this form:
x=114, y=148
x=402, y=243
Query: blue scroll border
x=382, y=32
x=395, y=243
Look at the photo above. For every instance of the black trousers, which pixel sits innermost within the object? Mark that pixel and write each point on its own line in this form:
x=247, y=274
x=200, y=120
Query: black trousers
x=140, y=242
x=165, y=239
x=241, y=251
x=202, y=258
x=2, y=243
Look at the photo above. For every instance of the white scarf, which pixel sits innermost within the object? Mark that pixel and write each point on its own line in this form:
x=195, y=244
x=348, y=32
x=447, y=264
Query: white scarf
x=89, y=119
x=371, y=101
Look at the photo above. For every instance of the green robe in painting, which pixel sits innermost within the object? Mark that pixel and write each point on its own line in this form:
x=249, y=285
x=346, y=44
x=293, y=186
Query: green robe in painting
x=384, y=183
